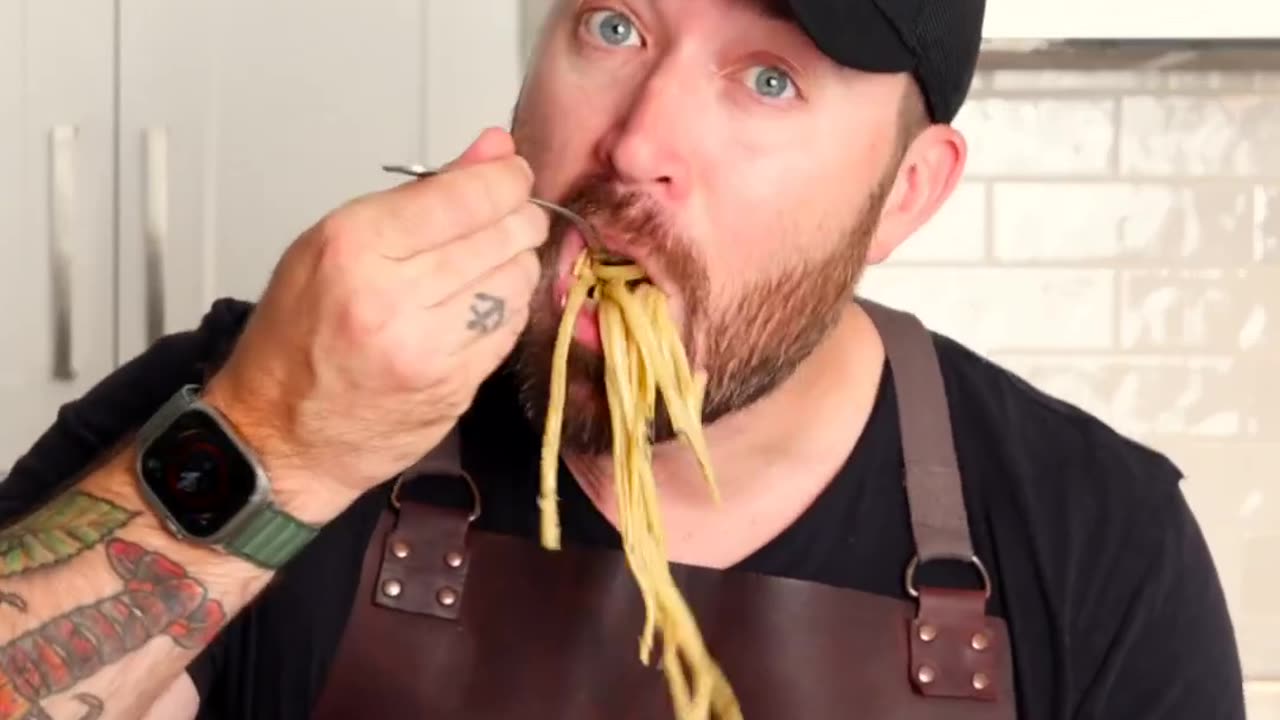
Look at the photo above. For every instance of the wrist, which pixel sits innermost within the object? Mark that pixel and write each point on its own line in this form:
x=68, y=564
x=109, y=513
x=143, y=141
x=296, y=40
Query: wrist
x=299, y=487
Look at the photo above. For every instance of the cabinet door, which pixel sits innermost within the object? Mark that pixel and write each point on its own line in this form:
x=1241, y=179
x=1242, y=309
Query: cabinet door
x=57, y=249
x=243, y=122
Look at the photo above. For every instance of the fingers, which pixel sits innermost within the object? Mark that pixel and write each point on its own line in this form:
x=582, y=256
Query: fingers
x=441, y=272
x=475, y=328
x=495, y=302
x=426, y=213
x=491, y=144
x=499, y=307
x=487, y=182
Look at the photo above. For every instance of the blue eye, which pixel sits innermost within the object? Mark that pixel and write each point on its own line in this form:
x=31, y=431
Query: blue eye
x=771, y=82
x=613, y=28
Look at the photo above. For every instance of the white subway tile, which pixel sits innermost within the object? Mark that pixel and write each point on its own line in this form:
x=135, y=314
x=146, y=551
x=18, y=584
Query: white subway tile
x=1262, y=700
x=1232, y=490
x=1213, y=135
x=1216, y=310
x=1266, y=231
x=1004, y=308
x=1085, y=224
x=1048, y=81
x=1039, y=136
x=1201, y=81
x=957, y=233
x=1200, y=224
x=1266, y=81
x=1168, y=397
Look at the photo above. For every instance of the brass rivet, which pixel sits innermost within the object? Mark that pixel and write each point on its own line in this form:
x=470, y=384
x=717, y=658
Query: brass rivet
x=392, y=588
x=447, y=597
x=981, y=681
x=980, y=642
x=928, y=633
x=400, y=549
x=453, y=559
x=926, y=675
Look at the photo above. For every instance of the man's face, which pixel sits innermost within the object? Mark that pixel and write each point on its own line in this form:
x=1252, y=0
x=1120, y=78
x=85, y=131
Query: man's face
x=716, y=146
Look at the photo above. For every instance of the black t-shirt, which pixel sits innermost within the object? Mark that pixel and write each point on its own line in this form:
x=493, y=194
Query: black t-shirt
x=1114, y=605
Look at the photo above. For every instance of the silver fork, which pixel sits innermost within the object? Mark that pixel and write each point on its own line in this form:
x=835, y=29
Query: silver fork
x=589, y=233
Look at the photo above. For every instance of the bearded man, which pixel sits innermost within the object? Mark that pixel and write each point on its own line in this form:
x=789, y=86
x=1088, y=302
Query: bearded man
x=902, y=525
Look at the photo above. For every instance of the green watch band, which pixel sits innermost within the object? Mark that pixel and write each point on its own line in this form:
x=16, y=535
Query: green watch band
x=261, y=532
x=270, y=537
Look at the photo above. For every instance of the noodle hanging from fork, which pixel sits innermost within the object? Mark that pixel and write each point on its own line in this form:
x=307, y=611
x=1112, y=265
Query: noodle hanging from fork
x=643, y=355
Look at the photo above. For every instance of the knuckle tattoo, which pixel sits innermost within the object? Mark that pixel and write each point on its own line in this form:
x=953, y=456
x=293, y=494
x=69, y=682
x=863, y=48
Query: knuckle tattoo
x=487, y=313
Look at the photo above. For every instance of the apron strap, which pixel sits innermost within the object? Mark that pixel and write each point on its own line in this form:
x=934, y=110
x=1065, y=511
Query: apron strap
x=954, y=647
x=939, y=521
x=418, y=559
x=938, y=518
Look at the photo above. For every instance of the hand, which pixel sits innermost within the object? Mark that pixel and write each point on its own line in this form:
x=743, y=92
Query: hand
x=380, y=323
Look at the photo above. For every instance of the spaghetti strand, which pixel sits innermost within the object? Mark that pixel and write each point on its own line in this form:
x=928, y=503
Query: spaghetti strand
x=644, y=359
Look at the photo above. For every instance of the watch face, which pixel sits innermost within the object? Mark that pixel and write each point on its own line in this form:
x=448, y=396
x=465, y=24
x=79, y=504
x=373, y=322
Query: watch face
x=198, y=474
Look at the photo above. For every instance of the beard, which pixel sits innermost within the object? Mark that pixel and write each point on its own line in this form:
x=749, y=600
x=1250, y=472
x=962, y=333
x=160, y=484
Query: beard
x=748, y=344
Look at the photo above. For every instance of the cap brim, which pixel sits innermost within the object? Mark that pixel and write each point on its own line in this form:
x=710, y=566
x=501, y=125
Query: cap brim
x=854, y=33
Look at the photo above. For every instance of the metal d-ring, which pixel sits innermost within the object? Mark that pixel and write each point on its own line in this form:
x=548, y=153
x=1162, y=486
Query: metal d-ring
x=475, y=492
x=973, y=560
x=589, y=233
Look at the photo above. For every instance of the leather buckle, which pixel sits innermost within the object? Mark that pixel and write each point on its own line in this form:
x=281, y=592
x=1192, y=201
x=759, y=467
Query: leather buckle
x=425, y=556
x=954, y=648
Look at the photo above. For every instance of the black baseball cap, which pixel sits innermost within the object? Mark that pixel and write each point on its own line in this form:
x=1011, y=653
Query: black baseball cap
x=937, y=41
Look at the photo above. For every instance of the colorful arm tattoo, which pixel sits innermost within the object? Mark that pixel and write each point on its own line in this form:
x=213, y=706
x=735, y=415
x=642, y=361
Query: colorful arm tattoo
x=159, y=597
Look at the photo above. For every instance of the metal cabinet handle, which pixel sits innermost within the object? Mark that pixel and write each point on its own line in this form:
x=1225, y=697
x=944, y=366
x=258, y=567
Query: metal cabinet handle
x=62, y=183
x=155, y=225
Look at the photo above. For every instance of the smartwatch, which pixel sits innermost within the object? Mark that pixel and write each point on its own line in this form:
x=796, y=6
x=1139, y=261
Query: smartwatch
x=208, y=487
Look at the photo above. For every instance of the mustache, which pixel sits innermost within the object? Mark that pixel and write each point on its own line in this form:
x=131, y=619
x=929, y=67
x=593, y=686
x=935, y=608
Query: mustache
x=641, y=228
x=630, y=215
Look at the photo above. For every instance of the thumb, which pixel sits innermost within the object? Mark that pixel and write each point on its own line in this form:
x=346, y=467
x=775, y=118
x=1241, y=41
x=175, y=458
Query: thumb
x=492, y=144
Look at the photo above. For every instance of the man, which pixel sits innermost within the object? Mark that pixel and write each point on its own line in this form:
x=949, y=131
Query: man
x=753, y=157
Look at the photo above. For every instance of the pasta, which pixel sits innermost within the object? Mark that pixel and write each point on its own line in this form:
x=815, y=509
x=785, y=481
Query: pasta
x=643, y=355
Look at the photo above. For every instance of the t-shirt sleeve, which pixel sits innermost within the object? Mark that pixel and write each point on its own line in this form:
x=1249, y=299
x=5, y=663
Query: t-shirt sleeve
x=90, y=426
x=207, y=668
x=1163, y=631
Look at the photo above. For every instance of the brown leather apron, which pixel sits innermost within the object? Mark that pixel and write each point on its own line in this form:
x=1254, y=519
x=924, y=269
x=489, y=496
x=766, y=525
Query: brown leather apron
x=450, y=622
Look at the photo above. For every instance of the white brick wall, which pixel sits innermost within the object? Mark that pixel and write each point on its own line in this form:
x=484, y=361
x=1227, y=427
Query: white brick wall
x=1117, y=242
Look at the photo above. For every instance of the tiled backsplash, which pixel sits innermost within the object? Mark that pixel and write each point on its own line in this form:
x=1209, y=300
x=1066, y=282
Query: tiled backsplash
x=1117, y=242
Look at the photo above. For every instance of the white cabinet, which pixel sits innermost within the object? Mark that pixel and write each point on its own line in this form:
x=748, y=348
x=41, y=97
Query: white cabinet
x=199, y=139
x=57, y=335
x=259, y=119
x=263, y=116
x=1132, y=19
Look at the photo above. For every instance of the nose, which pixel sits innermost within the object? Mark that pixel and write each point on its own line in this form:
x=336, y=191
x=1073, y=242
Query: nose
x=647, y=146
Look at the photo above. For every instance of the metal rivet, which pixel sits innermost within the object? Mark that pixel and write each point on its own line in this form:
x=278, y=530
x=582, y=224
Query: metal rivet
x=400, y=549
x=980, y=642
x=928, y=633
x=926, y=675
x=453, y=559
x=392, y=588
x=447, y=597
x=981, y=681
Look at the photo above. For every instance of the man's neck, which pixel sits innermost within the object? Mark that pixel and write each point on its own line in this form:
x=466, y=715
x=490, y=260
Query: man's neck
x=771, y=459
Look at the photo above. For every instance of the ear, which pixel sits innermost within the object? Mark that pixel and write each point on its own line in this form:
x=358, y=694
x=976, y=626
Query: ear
x=926, y=177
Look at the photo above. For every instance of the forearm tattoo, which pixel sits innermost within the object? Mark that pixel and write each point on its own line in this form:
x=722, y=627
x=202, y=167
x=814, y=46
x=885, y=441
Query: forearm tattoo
x=487, y=313
x=159, y=597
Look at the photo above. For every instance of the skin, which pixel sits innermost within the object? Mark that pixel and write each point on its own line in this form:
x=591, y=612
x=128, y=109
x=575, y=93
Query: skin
x=381, y=321
x=770, y=177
